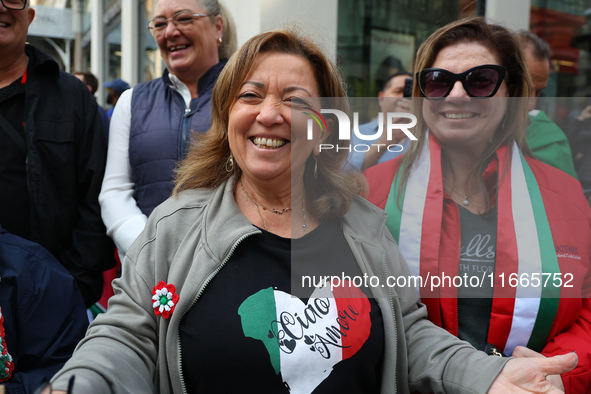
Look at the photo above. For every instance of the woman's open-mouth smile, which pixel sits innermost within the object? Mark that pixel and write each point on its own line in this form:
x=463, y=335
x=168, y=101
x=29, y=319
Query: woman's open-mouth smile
x=268, y=143
x=455, y=115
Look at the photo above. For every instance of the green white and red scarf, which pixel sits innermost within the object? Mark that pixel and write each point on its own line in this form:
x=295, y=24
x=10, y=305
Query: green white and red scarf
x=521, y=315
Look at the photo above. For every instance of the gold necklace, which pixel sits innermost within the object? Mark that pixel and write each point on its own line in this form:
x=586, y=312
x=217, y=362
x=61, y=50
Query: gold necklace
x=278, y=212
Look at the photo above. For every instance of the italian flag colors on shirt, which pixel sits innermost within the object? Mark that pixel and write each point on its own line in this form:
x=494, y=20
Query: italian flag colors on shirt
x=306, y=340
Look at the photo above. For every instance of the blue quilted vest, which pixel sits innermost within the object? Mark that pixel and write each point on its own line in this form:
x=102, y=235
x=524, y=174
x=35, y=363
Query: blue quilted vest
x=160, y=128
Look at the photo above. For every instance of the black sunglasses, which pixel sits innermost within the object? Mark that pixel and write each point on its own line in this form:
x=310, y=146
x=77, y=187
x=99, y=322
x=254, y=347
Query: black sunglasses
x=479, y=81
x=14, y=4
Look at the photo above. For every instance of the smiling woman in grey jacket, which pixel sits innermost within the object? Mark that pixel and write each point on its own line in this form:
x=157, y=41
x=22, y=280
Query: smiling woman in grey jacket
x=225, y=289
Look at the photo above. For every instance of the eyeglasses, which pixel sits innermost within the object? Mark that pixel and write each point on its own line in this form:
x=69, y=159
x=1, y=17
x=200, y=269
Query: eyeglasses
x=14, y=4
x=480, y=81
x=181, y=18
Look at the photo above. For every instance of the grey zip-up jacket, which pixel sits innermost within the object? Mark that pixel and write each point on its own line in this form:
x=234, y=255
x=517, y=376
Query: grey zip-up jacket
x=187, y=240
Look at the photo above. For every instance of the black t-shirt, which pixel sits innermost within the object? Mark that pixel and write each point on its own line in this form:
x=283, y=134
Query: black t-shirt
x=247, y=333
x=14, y=196
x=477, y=258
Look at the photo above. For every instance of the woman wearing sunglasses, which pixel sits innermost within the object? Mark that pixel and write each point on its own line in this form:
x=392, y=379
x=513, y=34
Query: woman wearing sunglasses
x=468, y=202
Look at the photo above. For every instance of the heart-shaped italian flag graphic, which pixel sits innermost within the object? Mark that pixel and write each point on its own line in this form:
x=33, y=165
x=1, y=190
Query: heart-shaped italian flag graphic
x=305, y=341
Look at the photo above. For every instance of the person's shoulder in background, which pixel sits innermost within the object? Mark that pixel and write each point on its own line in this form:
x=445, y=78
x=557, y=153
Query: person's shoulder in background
x=44, y=314
x=549, y=143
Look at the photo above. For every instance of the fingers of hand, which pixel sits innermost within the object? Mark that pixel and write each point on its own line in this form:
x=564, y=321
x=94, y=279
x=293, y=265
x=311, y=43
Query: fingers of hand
x=403, y=105
x=522, y=374
x=556, y=381
x=558, y=364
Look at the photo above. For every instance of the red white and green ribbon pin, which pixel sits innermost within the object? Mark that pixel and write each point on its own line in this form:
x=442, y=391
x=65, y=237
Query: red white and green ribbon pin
x=164, y=299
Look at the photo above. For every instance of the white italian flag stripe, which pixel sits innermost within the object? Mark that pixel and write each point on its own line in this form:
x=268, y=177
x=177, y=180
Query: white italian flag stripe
x=411, y=222
x=527, y=299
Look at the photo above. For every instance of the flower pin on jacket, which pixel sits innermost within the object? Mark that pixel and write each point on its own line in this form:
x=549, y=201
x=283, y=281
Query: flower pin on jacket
x=6, y=361
x=164, y=299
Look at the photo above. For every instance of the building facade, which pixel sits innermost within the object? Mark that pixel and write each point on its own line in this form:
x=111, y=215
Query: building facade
x=367, y=38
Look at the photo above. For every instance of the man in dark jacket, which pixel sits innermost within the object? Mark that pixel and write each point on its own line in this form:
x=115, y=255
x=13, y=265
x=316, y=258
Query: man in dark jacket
x=52, y=156
x=43, y=314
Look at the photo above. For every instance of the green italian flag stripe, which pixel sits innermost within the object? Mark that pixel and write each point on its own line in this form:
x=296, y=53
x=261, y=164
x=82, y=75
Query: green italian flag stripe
x=394, y=211
x=550, y=293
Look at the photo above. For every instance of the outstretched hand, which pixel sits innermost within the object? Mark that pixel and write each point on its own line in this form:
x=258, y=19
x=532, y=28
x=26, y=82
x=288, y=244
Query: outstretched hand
x=528, y=374
x=522, y=351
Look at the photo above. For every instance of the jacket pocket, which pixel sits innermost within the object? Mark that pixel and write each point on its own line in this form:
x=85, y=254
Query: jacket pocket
x=55, y=144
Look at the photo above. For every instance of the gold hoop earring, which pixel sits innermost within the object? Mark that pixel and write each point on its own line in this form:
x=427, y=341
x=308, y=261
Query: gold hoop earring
x=230, y=163
x=219, y=41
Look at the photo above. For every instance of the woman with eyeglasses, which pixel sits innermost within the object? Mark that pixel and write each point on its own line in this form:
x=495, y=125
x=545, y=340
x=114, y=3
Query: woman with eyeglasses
x=153, y=122
x=468, y=202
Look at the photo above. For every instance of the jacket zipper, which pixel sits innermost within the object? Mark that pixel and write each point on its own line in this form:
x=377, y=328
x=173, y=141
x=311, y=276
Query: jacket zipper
x=185, y=125
x=395, y=343
x=203, y=286
x=385, y=270
x=395, y=333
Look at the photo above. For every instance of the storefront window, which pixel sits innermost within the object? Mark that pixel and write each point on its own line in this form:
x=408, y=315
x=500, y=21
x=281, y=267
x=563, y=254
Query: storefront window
x=563, y=25
x=114, y=53
x=379, y=37
x=151, y=62
x=558, y=23
x=85, y=9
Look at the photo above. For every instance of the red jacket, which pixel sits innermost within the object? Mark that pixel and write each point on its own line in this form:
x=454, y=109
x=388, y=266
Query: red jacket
x=569, y=215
